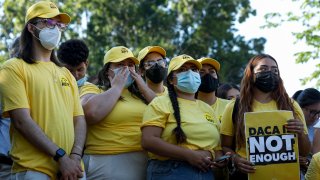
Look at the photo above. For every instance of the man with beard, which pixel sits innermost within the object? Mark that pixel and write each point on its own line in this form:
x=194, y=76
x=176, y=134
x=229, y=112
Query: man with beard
x=153, y=68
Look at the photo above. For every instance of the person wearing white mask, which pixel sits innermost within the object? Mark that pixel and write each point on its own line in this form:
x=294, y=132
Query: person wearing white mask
x=74, y=55
x=42, y=100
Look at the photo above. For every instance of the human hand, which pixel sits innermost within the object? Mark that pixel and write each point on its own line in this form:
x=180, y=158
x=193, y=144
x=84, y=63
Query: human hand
x=70, y=169
x=200, y=159
x=295, y=126
x=119, y=80
x=244, y=165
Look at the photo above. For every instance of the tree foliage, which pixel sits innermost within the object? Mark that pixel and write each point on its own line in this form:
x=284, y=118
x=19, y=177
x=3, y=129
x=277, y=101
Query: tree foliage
x=194, y=27
x=309, y=18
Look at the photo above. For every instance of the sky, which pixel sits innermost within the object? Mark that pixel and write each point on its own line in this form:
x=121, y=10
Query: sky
x=280, y=41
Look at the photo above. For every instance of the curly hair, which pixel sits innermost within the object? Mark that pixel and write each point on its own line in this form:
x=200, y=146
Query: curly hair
x=73, y=52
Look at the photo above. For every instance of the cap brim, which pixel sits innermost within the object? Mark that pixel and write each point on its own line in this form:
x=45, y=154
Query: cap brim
x=135, y=60
x=195, y=62
x=158, y=50
x=64, y=18
x=212, y=62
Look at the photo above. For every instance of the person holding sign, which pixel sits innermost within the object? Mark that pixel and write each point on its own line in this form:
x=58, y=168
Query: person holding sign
x=178, y=129
x=262, y=89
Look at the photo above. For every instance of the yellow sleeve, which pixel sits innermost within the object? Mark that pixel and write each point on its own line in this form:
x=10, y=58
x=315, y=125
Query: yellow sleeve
x=13, y=88
x=154, y=114
x=89, y=88
x=313, y=172
x=226, y=121
x=300, y=114
x=78, y=111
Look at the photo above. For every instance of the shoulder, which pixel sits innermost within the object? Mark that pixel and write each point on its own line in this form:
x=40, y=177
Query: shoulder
x=13, y=63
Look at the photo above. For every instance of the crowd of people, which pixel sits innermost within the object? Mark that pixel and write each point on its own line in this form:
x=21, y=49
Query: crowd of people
x=142, y=117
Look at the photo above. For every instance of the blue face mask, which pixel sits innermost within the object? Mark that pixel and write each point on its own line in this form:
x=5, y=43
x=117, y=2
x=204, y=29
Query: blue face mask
x=81, y=81
x=129, y=79
x=188, y=81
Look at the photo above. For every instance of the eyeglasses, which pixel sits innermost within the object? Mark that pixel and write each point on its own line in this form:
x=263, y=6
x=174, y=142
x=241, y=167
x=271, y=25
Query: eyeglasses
x=51, y=23
x=313, y=112
x=161, y=62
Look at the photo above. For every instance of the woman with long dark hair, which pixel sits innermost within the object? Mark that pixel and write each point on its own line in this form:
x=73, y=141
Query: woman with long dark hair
x=178, y=130
x=262, y=89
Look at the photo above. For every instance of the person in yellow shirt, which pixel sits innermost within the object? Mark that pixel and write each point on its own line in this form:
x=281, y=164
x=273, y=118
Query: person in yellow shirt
x=207, y=93
x=113, y=110
x=313, y=172
x=152, y=65
x=178, y=130
x=42, y=100
x=262, y=89
x=74, y=54
x=209, y=85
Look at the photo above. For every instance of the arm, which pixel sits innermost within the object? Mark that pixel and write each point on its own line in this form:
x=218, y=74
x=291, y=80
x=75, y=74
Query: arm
x=80, y=132
x=241, y=163
x=98, y=106
x=152, y=142
x=147, y=93
x=23, y=122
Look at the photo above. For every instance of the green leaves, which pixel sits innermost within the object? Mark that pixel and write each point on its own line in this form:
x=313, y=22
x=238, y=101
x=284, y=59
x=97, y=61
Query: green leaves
x=194, y=27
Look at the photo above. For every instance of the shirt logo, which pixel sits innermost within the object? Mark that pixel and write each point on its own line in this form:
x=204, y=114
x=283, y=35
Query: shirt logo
x=65, y=82
x=208, y=117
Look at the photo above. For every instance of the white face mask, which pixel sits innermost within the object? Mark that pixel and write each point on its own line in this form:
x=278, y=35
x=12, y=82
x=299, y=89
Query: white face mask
x=49, y=38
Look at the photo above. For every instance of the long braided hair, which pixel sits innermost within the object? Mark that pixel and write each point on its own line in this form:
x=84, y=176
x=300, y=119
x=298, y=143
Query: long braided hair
x=178, y=132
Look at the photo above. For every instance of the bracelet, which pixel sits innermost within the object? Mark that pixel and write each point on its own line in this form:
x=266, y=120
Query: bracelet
x=76, y=154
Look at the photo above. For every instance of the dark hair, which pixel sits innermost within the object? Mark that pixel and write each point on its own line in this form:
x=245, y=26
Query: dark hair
x=222, y=90
x=73, y=52
x=308, y=97
x=178, y=132
x=26, y=43
x=296, y=94
x=279, y=95
x=14, y=48
x=104, y=83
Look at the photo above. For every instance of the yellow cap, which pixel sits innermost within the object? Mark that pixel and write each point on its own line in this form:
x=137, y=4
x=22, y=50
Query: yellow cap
x=118, y=54
x=178, y=61
x=46, y=9
x=212, y=62
x=143, y=53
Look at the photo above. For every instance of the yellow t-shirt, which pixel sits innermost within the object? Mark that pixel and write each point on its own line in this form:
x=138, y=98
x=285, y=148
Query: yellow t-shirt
x=165, y=92
x=313, y=172
x=218, y=108
x=119, y=131
x=51, y=94
x=227, y=127
x=196, y=121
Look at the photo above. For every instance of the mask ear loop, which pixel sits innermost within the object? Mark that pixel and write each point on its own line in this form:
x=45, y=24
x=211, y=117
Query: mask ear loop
x=33, y=32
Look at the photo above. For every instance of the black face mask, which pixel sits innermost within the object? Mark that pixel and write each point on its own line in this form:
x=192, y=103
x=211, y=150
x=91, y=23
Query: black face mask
x=156, y=73
x=266, y=81
x=208, y=84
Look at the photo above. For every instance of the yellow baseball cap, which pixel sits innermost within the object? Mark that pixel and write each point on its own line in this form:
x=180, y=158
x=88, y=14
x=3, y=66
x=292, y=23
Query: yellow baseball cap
x=145, y=51
x=46, y=9
x=212, y=62
x=118, y=54
x=178, y=61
